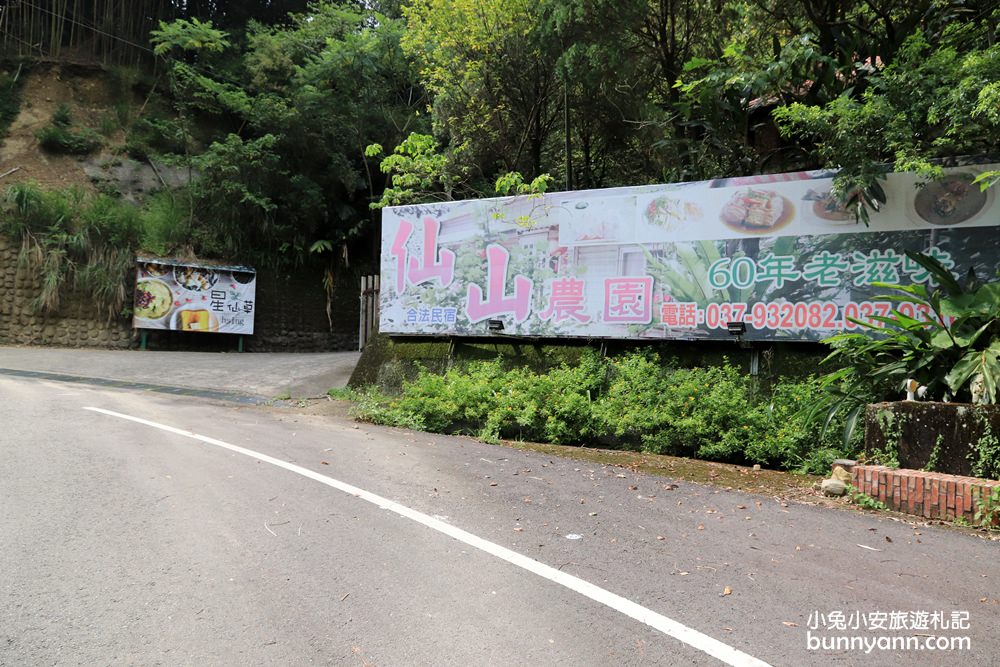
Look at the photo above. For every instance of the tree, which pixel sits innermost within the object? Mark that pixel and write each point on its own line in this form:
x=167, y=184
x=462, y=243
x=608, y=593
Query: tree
x=288, y=174
x=493, y=80
x=931, y=103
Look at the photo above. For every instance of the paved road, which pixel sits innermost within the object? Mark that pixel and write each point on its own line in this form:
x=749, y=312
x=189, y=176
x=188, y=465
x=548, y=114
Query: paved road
x=123, y=543
x=264, y=375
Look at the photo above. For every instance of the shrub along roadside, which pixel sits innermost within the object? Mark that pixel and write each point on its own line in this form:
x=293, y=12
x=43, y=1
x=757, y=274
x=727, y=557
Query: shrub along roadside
x=634, y=401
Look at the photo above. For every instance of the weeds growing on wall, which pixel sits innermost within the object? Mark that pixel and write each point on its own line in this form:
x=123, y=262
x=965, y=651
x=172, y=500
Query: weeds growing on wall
x=633, y=401
x=89, y=243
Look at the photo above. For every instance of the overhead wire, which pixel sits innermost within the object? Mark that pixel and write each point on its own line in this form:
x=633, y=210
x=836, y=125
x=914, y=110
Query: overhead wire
x=37, y=47
x=93, y=28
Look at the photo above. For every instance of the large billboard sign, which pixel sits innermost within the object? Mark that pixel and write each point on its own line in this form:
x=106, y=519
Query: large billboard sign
x=681, y=261
x=184, y=296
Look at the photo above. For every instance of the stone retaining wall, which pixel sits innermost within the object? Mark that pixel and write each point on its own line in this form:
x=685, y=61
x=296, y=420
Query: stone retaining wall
x=76, y=324
x=290, y=317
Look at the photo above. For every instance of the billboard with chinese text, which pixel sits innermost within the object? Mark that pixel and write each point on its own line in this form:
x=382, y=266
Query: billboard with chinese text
x=777, y=252
x=183, y=296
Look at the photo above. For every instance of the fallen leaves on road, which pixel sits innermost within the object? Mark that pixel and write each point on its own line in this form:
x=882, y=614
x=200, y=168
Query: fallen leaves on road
x=726, y=591
x=790, y=624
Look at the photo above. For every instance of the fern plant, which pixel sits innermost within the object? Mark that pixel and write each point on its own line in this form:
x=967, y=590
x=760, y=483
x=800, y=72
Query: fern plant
x=954, y=351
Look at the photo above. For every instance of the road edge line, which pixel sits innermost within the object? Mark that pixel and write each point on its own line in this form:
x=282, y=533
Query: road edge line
x=668, y=626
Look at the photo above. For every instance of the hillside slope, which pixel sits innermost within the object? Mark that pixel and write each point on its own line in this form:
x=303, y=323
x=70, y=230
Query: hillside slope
x=95, y=101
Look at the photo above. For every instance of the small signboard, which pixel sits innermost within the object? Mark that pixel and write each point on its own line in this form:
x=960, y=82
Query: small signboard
x=177, y=295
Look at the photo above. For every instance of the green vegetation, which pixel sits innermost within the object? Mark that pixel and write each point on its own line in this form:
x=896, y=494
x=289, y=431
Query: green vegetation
x=10, y=98
x=633, y=401
x=954, y=350
x=934, y=459
x=984, y=454
x=81, y=242
x=864, y=501
x=62, y=137
x=891, y=425
x=461, y=93
x=988, y=509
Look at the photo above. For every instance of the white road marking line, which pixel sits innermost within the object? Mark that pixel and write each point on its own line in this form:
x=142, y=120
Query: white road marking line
x=667, y=626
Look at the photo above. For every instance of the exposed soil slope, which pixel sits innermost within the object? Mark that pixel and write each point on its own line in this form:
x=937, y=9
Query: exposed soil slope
x=89, y=95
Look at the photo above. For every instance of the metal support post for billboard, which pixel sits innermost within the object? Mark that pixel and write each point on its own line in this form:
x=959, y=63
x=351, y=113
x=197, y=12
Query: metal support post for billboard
x=362, y=304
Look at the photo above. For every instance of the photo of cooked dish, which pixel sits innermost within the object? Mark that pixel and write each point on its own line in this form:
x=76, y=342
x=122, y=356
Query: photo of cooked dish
x=827, y=206
x=156, y=270
x=195, y=279
x=153, y=299
x=950, y=201
x=195, y=319
x=754, y=211
x=666, y=212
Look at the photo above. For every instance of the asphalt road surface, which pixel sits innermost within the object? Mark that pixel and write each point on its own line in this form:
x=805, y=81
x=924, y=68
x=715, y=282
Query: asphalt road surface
x=149, y=529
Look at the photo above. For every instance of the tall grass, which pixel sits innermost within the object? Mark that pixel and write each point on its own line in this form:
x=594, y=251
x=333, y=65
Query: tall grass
x=10, y=98
x=88, y=243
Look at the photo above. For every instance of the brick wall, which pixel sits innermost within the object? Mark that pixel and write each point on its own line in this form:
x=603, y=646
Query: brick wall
x=929, y=494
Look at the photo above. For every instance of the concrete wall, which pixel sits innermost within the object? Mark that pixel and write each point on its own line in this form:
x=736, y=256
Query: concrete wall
x=944, y=437
x=290, y=317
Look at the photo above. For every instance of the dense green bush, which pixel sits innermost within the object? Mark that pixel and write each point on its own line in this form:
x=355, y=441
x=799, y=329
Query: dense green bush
x=635, y=401
x=156, y=136
x=490, y=401
x=62, y=137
